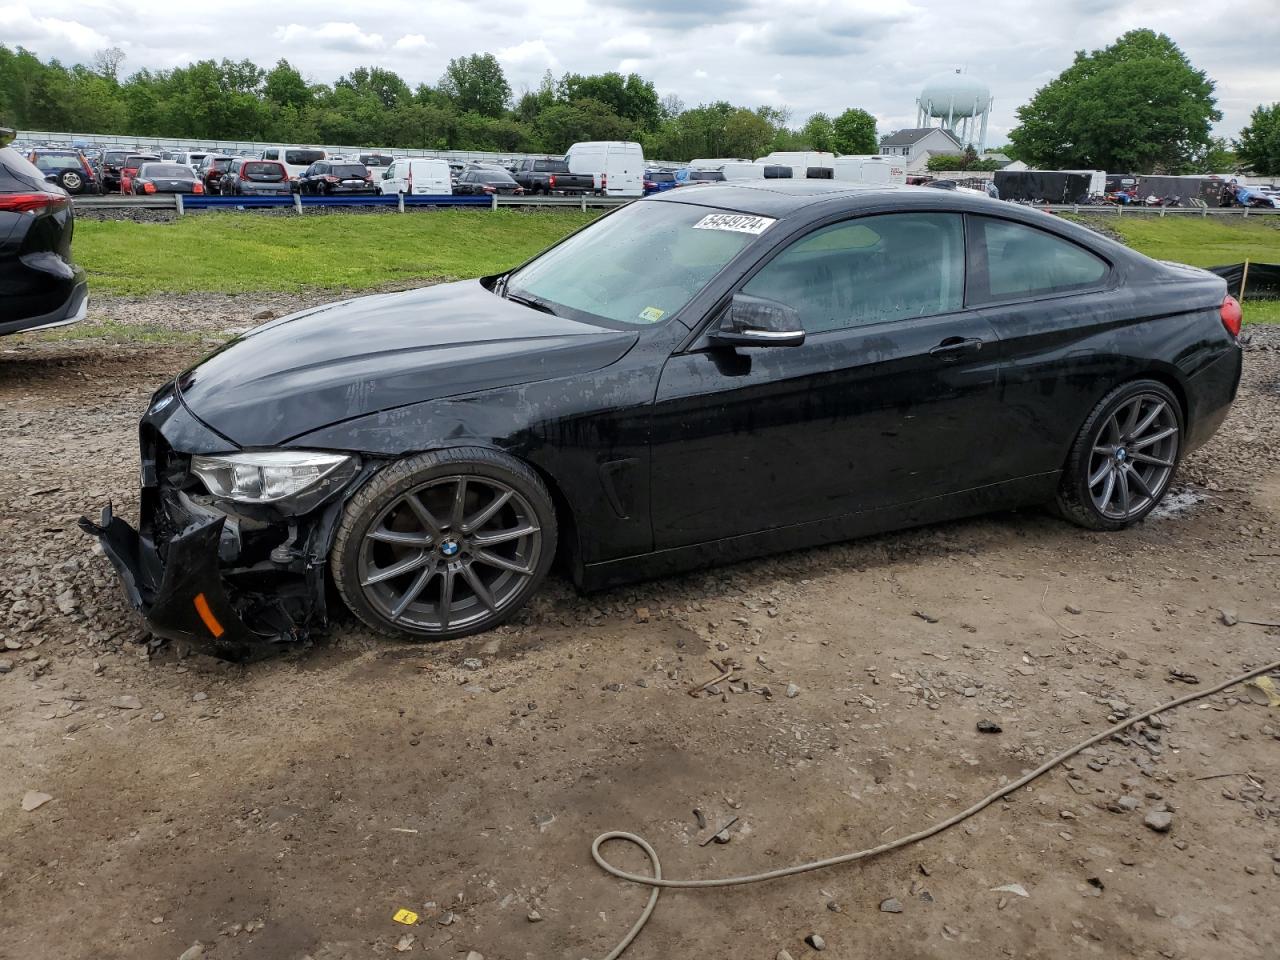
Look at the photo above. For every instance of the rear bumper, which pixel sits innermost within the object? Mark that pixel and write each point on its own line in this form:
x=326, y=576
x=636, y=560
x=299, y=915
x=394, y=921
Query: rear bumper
x=73, y=292
x=1210, y=393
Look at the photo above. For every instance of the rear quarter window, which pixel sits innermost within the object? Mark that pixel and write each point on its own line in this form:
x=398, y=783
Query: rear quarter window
x=303, y=157
x=1013, y=261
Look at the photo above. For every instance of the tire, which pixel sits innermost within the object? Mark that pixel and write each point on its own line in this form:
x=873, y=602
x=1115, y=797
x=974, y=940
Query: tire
x=1131, y=462
x=393, y=571
x=71, y=181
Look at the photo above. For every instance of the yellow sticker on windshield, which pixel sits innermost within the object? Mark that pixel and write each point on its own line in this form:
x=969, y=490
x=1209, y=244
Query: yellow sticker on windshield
x=652, y=314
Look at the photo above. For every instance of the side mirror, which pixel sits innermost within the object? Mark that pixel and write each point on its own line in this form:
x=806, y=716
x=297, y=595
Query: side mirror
x=757, y=322
x=51, y=178
x=386, y=175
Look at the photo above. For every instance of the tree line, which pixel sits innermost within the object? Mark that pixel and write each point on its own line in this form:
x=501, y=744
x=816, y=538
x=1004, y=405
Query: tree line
x=472, y=107
x=1137, y=106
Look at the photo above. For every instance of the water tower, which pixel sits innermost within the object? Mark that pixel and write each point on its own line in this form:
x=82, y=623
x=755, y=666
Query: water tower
x=958, y=102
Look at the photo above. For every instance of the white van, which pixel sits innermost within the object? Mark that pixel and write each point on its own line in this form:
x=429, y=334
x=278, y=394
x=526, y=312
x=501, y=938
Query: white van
x=800, y=161
x=417, y=176
x=295, y=159
x=617, y=165
x=871, y=169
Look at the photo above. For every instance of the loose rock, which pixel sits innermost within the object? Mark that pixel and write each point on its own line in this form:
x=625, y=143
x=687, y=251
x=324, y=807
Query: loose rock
x=792, y=691
x=815, y=940
x=34, y=799
x=126, y=703
x=892, y=905
x=1159, y=820
x=989, y=726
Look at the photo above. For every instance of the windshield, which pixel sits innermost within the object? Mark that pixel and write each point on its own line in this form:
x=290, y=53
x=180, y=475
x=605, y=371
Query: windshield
x=637, y=266
x=171, y=171
x=114, y=156
x=353, y=171
x=713, y=175
x=133, y=161
x=303, y=158
x=654, y=176
x=550, y=166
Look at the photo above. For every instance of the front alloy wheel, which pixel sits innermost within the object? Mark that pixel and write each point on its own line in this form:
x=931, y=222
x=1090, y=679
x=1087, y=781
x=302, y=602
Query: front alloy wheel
x=1124, y=458
x=445, y=544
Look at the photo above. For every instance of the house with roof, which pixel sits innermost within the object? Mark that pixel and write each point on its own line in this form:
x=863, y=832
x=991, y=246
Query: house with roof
x=917, y=145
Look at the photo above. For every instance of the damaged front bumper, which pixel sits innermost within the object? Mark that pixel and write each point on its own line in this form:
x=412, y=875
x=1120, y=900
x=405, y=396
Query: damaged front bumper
x=233, y=580
x=181, y=597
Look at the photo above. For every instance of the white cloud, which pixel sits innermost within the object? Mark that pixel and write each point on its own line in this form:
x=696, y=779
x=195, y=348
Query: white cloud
x=534, y=52
x=19, y=26
x=331, y=36
x=412, y=43
x=629, y=45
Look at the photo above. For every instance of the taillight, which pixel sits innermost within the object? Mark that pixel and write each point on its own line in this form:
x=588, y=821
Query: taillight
x=197, y=187
x=488, y=189
x=1232, y=315
x=148, y=188
x=604, y=181
x=551, y=182
x=88, y=171
x=30, y=202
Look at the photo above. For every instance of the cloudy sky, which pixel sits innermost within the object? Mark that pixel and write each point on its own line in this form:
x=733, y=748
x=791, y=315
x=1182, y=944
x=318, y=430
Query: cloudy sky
x=809, y=55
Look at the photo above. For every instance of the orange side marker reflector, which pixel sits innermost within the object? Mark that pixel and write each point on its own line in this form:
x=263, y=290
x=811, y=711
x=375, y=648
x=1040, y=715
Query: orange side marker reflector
x=210, y=621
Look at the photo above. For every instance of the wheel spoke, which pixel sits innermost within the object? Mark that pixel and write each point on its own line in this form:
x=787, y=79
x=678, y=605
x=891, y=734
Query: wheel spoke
x=478, y=520
x=1113, y=427
x=425, y=516
x=502, y=536
x=400, y=537
x=1154, y=438
x=1147, y=458
x=502, y=563
x=1108, y=490
x=1122, y=477
x=477, y=586
x=1135, y=409
x=446, y=598
x=1101, y=475
x=397, y=569
x=1141, y=484
x=459, y=505
x=419, y=584
x=1149, y=419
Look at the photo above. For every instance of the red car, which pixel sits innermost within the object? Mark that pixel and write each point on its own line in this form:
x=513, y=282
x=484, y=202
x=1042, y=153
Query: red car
x=129, y=169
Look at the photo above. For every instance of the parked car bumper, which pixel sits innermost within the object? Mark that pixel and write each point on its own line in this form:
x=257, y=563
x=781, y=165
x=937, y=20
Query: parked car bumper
x=47, y=292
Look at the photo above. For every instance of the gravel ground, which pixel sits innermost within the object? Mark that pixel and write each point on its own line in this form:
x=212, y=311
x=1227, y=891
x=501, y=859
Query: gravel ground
x=288, y=809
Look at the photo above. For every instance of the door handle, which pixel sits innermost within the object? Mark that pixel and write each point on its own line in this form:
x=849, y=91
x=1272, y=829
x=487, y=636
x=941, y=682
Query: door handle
x=953, y=348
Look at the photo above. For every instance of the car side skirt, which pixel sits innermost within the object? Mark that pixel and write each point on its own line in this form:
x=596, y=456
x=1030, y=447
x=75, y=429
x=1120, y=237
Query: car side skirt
x=999, y=496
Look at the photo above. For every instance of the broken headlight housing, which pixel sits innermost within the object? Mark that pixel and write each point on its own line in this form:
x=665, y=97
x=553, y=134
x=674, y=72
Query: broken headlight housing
x=293, y=481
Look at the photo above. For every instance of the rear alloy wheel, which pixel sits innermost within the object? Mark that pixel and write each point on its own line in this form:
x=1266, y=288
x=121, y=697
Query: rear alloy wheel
x=71, y=181
x=445, y=544
x=1124, y=459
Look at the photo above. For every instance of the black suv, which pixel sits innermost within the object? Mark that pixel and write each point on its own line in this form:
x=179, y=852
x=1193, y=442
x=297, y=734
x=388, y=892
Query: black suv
x=39, y=285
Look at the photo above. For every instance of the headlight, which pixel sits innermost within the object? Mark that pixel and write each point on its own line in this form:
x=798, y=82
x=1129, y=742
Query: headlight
x=273, y=476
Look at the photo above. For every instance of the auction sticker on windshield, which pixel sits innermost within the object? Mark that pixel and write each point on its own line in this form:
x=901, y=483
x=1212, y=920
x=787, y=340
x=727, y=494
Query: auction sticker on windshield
x=735, y=223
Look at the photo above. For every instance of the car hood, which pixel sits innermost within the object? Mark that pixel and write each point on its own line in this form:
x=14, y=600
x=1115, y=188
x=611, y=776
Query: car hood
x=347, y=359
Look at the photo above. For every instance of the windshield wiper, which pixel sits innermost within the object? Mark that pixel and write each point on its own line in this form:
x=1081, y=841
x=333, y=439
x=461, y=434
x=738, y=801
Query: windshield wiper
x=533, y=302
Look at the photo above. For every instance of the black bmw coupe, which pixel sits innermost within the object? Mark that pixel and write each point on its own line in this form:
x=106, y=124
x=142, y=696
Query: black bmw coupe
x=697, y=377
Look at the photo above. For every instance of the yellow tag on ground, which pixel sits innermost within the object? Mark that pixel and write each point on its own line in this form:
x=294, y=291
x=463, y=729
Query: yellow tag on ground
x=405, y=916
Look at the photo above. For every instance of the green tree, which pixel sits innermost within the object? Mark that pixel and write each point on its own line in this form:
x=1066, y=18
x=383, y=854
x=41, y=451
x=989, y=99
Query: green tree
x=476, y=84
x=818, y=133
x=284, y=86
x=855, y=132
x=1137, y=105
x=631, y=97
x=1259, y=145
x=563, y=124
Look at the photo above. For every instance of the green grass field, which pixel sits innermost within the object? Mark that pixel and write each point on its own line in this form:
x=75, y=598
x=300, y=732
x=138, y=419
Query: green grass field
x=241, y=252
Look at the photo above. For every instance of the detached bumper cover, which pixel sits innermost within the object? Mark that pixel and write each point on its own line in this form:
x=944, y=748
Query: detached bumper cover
x=184, y=598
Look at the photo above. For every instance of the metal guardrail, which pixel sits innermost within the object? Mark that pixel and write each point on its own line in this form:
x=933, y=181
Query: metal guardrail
x=181, y=203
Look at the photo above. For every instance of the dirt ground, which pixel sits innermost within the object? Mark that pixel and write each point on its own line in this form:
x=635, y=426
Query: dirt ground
x=289, y=809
